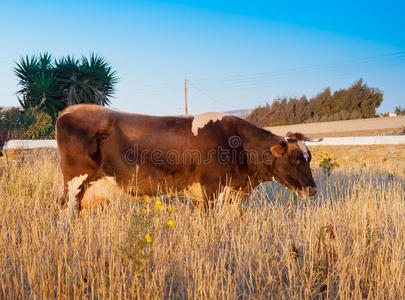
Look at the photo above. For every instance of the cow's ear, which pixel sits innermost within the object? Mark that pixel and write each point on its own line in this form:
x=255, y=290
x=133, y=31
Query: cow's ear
x=278, y=149
x=299, y=136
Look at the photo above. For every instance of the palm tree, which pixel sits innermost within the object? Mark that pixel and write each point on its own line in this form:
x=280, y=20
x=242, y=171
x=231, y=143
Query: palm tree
x=87, y=81
x=52, y=87
x=38, y=90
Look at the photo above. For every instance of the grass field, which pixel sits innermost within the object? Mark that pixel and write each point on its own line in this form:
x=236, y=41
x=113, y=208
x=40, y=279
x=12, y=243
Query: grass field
x=347, y=242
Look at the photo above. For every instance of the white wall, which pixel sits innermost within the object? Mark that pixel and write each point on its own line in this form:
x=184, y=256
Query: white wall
x=361, y=140
x=352, y=140
x=29, y=144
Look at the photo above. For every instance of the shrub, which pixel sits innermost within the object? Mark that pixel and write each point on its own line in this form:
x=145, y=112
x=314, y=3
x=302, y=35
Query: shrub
x=136, y=246
x=327, y=163
x=29, y=124
x=42, y=127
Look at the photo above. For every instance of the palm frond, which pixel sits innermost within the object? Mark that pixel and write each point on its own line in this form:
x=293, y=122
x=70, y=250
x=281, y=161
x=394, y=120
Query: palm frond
x=26, y=69
x=45, y=62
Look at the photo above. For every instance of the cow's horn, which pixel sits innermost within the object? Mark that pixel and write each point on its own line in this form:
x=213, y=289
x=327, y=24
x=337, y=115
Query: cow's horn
x=290, y=139
x=309, y=139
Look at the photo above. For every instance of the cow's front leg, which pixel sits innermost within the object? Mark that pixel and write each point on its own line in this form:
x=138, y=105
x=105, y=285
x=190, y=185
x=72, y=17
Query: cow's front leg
x=224, y=196
x=230, y=195
x=195, y=194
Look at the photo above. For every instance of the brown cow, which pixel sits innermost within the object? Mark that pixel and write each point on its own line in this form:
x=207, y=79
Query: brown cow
x=199, y=154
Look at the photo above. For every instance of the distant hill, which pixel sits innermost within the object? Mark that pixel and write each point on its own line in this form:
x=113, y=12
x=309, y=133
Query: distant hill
x=241, y=113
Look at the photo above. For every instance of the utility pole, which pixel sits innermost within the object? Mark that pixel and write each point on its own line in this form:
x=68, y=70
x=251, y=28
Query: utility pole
x=185, y=97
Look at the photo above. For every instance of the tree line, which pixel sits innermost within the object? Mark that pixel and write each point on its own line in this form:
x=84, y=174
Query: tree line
x=356, y=102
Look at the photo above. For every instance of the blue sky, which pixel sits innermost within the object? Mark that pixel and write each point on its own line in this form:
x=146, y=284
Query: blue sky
x=236, y=54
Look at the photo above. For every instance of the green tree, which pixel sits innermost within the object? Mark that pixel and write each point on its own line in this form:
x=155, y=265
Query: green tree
x=357, y=101
x=51, y=86
x=399, y=111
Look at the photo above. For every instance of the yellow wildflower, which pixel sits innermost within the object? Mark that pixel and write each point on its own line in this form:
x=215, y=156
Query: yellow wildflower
x=158, y=205
x=148, y=238
x=171, y=208
x=170, y=223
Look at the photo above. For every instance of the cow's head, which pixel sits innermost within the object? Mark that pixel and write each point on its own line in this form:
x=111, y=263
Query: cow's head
x=290, y=167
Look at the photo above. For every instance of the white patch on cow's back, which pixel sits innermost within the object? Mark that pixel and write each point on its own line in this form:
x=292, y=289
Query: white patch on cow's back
x=201, y=120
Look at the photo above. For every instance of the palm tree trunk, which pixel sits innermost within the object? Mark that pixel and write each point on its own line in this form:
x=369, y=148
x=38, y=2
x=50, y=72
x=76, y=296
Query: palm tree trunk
x=69, y=100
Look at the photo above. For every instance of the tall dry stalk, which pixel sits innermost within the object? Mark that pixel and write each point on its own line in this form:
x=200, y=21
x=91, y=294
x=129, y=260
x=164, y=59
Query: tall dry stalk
x=346, y=243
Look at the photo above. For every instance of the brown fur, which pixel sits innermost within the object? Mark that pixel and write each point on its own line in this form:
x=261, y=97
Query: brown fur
x=278, y=149
x=99, y=142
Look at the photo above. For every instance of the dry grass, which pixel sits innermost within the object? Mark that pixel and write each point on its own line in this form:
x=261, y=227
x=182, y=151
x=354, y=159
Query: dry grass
x=390, y=158
x=348, y=242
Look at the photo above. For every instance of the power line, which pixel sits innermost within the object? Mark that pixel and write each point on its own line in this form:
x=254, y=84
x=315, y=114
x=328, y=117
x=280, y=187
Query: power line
x=214, y=99
x=272, y=77
x=370, y=59
x=266, y=76
x=280, y=79
x=274, y=82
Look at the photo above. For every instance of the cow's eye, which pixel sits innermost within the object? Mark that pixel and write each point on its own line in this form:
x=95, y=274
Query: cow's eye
x=297, y=160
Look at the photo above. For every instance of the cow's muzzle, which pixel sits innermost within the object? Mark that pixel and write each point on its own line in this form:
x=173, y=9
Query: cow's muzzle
x=312, y=191
x=307, y=191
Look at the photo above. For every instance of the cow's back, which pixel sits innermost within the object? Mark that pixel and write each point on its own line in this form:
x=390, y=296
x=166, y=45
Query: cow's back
x=154, y=153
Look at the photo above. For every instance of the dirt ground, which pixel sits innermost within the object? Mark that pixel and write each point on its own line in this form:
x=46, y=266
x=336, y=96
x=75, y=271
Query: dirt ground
x=361, y=127
x=375, y=132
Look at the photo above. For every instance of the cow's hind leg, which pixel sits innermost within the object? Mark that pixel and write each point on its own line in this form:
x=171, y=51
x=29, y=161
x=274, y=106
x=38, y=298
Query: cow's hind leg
x=62, y=199
x=79, y=147
x=74, y=190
